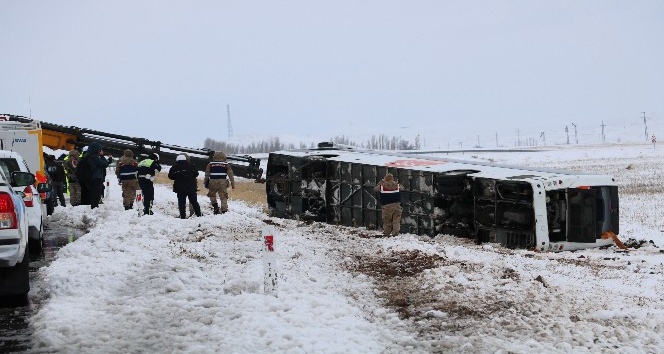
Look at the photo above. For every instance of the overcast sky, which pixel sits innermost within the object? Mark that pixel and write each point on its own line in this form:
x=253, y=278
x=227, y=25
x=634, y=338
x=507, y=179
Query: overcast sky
x=450, y=71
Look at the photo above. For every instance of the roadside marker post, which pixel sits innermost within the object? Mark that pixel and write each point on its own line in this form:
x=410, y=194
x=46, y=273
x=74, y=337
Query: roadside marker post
x=269, y=262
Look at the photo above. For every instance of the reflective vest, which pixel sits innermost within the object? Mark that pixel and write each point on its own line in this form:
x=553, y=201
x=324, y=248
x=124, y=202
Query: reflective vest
x=218, y=169
x=389, y=196
x=128, y=171
x=145, y=168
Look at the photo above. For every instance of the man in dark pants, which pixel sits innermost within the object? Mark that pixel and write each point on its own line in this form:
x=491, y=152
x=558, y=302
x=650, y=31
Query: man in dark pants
x=147, y=171
x=184, y=174
x=58, y=181
x=97, y=164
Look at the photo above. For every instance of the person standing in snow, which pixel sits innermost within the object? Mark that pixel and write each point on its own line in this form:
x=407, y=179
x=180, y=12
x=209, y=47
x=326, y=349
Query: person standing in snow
x=390, y=199
x=127, y=172
x=71, y=161
x=58, y=180
x=85, y=189
x=218, y=173
x=184, y=174
x=147, y=172
x=96, y=164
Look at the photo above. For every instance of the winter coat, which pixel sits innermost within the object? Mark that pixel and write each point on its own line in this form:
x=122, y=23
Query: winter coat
x=148, y=167
x=97, y=164
x=184, y=174
x=127, y=167
x=70, y=166
x=218, y=168
x=389, y=191
x=56, y=171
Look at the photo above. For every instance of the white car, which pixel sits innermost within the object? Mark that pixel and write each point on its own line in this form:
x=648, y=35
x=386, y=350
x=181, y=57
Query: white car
x=13, y=162
x=14, y=255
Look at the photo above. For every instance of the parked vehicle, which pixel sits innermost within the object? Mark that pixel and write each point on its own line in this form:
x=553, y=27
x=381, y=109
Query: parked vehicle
x=11, y=162
x=14, y=255
x=518, y=207
x=26, y=139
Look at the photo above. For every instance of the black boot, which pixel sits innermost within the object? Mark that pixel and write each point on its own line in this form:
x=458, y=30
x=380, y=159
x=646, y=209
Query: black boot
x=127, y=207
x=216, y=208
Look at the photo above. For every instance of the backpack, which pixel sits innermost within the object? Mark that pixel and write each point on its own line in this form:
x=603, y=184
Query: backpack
x=82, y=170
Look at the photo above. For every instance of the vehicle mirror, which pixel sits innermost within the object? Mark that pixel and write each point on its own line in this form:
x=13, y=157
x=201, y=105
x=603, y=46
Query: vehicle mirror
x=44, y=187
x=21, y=179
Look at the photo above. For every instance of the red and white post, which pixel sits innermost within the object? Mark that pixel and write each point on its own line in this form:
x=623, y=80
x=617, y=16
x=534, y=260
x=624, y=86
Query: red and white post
x=269, y=262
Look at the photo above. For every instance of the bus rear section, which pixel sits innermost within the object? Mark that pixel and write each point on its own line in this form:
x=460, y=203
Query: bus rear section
x=515, y=207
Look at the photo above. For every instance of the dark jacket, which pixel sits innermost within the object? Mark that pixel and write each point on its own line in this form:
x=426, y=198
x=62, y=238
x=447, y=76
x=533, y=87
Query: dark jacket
x=184, y=174
x=56, y=171
x=389, y=192
x=148, y=167
x=97, y=164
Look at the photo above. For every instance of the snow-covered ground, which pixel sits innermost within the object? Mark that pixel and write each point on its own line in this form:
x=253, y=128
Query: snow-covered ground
x=158, y=284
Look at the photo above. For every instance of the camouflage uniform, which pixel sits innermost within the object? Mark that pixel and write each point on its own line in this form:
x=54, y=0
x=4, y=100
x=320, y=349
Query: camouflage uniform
x=390, y=198
x=127, y=171
x=217, y=175
x=70, y=164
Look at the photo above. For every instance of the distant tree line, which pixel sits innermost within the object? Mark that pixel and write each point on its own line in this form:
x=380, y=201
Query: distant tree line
x=380, y=142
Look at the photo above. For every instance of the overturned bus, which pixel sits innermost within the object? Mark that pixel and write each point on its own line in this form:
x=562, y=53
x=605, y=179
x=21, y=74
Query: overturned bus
x=518, y=207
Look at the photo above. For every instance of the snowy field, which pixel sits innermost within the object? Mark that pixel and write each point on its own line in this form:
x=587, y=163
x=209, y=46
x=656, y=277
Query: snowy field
x=158, y=284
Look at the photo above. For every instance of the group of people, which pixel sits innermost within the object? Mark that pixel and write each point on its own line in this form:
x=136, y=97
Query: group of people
x=132, y=175
x=218, y=178
x=63, y=177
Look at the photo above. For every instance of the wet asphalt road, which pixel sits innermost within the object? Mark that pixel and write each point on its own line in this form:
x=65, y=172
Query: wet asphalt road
x=15, y=330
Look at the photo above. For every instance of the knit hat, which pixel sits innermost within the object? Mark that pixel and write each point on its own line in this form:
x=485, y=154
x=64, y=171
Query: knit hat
x=180, y=158
x=128, y=153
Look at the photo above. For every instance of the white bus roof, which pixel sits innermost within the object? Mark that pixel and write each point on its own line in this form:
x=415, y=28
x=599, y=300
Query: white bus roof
x=441, y=165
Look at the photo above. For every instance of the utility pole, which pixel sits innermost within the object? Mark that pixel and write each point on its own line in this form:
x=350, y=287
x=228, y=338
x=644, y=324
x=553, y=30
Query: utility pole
x=645, y=124
x=567, y=134
x=543, y=138
x=518, y=138
x=478, y=141
x=576, y=137
x=603, y=137
x=230, y=126
x=497, y=140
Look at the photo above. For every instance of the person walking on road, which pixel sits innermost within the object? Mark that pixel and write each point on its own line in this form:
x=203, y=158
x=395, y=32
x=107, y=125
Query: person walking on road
x=127, y=172
x=184, y=174
x=390, y=199
x=147, y=172
x=218, y=177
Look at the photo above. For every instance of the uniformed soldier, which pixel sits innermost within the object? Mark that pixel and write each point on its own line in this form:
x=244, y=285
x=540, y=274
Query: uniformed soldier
x=71, y=161
x=127, y=170
x=390, y=198
x=147, y=171
x=217, y=176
